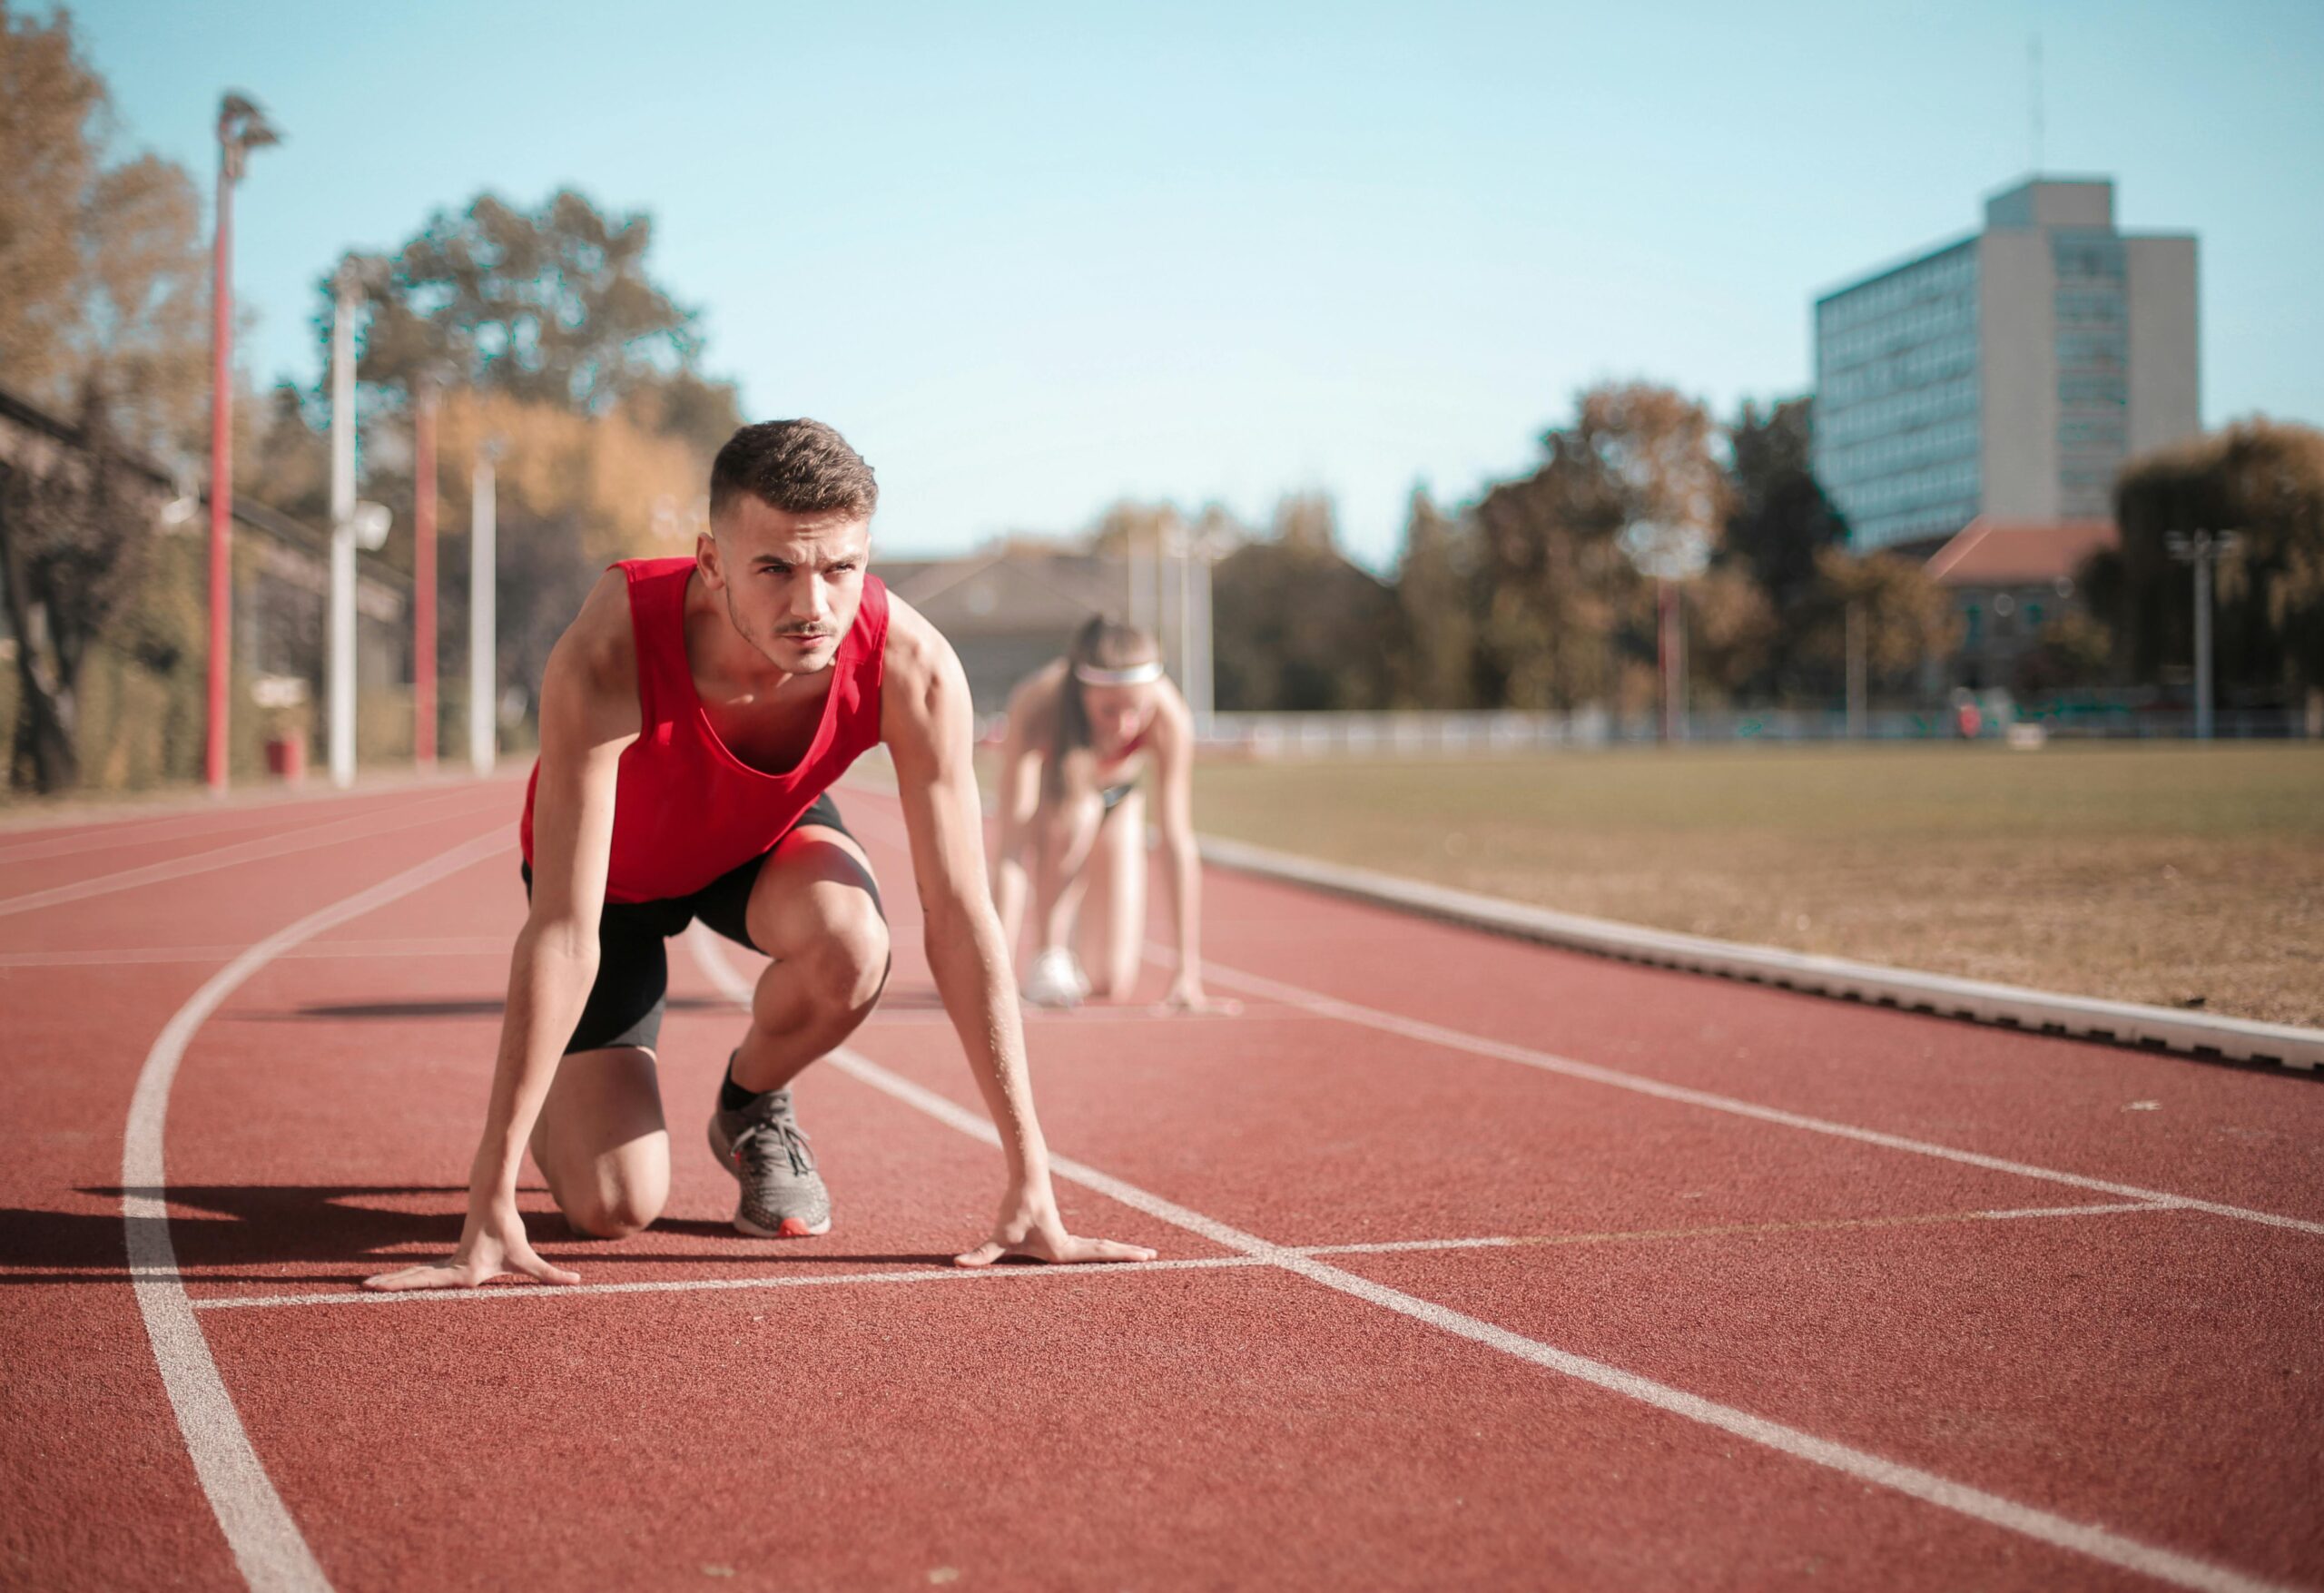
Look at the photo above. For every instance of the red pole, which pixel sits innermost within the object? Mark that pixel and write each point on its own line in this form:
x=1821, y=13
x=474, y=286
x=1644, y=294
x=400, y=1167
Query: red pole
x=221, y=481
x=423, y=577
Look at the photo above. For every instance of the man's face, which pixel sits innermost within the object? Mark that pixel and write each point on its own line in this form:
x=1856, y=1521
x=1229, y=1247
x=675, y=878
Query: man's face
x=1117, y=714
x=791, y=582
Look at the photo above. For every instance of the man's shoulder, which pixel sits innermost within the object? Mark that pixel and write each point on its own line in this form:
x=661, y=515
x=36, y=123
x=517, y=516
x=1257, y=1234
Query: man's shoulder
x=596, y=658
x=916, y=651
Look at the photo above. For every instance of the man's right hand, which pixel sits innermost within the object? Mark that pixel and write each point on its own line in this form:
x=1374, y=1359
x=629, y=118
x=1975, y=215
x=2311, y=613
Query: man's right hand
x=492, y=1243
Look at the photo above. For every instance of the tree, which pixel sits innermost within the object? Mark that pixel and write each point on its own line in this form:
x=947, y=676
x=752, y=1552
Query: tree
x=1298, y=627
x=102, y=315
x=1439, y=600
x=1780, y=520
x=552, y=307
x=2260, y=477
x=572, y=493
x=1567, y=609
x=73, y=533
x=1907, y=618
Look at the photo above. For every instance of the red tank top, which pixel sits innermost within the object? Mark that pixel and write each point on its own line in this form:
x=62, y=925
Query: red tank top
x=687, y=810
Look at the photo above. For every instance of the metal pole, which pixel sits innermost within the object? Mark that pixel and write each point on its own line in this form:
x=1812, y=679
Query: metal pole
x=1138, y=582
x=222, y=474
x=1206, y=703
x=482, y=740
x=2205, y=550
x=1855, y=670
x=342, y=533
x=423, y=579
x=1185, y=610
x=1664, y=631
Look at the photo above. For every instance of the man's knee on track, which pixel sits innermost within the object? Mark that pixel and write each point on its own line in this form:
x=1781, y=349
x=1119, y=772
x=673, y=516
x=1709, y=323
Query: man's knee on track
x=612, y=1214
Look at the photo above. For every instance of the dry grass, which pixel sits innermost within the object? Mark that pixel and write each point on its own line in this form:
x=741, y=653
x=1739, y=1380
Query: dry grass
x=2178, y=876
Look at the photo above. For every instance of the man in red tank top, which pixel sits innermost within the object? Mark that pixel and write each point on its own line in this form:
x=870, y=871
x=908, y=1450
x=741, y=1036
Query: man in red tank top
x=693, y=718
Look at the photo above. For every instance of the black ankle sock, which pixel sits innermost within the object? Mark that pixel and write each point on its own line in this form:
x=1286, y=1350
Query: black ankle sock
x=733, y=1097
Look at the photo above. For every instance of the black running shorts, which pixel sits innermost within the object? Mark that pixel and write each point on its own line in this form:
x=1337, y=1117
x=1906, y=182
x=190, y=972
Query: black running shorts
x=626, y=1004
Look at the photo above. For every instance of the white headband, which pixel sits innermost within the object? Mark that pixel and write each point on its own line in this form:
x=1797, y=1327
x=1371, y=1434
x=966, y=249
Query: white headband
x=1137, y=674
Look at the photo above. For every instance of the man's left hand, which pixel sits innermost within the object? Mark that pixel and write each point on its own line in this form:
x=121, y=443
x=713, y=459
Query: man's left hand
x=1034, y=1230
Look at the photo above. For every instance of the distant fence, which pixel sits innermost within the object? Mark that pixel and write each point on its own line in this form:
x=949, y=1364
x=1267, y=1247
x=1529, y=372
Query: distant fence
x=1315, y=736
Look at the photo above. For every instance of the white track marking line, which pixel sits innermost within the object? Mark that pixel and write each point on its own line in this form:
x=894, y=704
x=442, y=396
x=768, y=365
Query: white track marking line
x=1455, y=1039
x=264, y=1540
x=124, y=833
x=1119, y=1269
x=475, y=946
x=2096, y=1542
x=227, y=857
x=1325, y=1005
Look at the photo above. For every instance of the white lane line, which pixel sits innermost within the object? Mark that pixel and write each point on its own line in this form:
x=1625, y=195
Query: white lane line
x=264, y=1540
x=243, y=852
x=1525, y=1056
x=471, y=946
x=1433, y=1034
x=127, y=833
x=352, y=1296
x=2079, y=1537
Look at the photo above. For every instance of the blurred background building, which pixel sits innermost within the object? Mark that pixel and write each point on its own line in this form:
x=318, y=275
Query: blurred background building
x=2007, y=374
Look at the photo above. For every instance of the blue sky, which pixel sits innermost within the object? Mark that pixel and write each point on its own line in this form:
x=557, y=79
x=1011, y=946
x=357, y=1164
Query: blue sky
x=1033, y=258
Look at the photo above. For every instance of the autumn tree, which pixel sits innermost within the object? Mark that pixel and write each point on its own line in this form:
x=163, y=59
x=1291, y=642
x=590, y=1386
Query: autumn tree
x=2263, y=479
x=1904, y=617
x=103, y=312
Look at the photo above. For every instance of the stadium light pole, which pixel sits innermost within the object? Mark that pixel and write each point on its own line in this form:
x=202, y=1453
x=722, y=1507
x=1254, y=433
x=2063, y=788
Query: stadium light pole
x=241, y=128
x=2202, y=549
x=482, y=637
x=423, y=575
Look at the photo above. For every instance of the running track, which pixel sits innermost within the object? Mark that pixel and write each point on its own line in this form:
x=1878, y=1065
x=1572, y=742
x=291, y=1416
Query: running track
x=1484, y=1265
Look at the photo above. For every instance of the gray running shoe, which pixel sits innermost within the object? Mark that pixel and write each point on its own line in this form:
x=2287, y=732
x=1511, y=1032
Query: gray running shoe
x=764, y=1148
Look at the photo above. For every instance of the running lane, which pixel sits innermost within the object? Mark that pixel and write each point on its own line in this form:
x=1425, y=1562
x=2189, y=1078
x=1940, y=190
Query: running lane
x=93, y=1445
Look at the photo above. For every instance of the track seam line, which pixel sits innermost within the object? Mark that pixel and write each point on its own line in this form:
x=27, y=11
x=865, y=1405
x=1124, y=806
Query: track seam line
x=265, y=1541
x=1993, y=1510
x=204, y=862
x=1549, y=1062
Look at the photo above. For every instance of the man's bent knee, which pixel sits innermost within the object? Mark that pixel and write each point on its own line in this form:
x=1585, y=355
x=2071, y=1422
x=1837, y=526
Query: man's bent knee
x=848, y=963
x=612, y=1214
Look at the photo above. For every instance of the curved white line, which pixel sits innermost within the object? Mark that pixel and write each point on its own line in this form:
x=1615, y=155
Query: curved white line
x=264, y=1540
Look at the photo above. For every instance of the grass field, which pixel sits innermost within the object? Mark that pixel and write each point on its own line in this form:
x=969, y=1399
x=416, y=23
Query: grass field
x=2179, y=876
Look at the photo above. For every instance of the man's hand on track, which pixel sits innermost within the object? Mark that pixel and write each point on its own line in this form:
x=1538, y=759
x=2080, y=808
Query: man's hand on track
x=490, y=1247
x=1039, y=1234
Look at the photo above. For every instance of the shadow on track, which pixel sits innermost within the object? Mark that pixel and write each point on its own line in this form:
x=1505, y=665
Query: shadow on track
x=269, y=1225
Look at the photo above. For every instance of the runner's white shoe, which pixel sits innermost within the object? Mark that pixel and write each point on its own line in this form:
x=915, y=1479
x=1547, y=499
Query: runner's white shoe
x=1055, y=979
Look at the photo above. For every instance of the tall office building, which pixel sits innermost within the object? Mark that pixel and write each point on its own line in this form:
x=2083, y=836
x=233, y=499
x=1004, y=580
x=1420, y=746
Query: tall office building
x=2008, y=374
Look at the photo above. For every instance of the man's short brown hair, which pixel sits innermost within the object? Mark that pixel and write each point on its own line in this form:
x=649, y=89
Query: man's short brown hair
x=802, y=467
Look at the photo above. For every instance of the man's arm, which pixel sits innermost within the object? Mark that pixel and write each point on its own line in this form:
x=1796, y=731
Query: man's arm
x=588, y=715
x=1020, y=785
x=925, y=720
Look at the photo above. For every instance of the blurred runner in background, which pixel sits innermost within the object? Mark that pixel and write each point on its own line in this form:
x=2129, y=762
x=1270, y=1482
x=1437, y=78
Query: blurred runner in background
x=1082, y=731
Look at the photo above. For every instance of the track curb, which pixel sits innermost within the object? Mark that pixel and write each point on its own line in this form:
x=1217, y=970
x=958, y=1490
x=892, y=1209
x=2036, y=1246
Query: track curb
x=2121, y=1023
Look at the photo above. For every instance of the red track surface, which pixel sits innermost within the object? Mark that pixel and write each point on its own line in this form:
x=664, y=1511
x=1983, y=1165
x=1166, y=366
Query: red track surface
x=1866, y=1344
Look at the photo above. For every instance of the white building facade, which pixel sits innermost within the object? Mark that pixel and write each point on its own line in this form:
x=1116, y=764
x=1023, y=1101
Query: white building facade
x=2008, y=374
